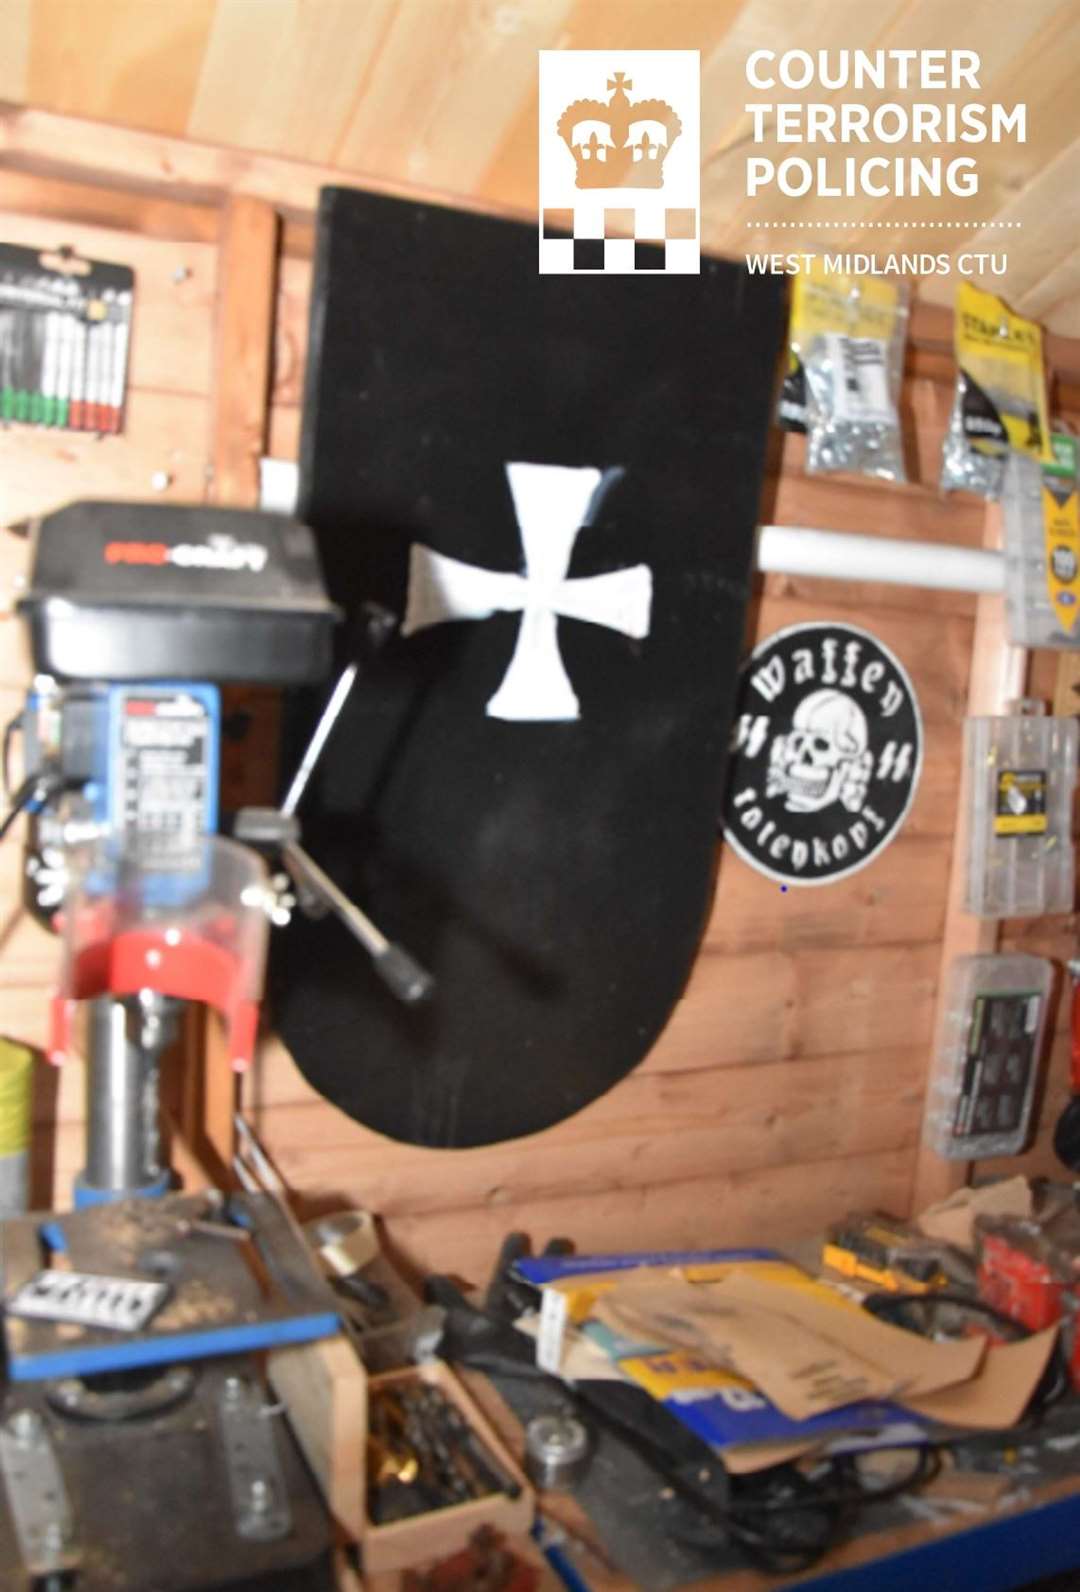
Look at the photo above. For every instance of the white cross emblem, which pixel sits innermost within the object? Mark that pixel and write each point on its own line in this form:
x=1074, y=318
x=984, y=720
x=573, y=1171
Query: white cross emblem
x=552, y=503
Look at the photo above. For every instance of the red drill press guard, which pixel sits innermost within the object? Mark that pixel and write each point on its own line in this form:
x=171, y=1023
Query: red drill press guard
x=208, y=946
x=170, y=962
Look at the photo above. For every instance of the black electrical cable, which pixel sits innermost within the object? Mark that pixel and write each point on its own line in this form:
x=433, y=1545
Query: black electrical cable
x=835, y=1497
x=918, y=1313
x=13, y=724
x=35, y=788
x=762, y=1520
x=21, y=800
x=783, y=1520
x=800, y=1522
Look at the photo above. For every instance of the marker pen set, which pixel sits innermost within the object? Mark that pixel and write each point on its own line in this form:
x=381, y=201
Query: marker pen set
x=64, y=336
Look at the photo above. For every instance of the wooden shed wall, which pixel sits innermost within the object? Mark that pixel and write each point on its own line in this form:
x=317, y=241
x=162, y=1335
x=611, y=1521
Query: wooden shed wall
x=444, y=92
x=789, y=1083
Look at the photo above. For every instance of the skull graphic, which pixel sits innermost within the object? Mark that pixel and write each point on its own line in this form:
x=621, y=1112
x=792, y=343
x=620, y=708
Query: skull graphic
x=824, y=758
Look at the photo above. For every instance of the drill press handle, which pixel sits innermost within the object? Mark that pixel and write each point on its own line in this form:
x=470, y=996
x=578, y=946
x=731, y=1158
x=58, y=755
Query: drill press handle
x=272, y=828
x=278, y=829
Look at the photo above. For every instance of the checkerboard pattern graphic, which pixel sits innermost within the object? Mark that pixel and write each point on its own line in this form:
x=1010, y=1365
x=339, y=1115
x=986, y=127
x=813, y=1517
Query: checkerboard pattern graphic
x=619, y=144
x=624, y=239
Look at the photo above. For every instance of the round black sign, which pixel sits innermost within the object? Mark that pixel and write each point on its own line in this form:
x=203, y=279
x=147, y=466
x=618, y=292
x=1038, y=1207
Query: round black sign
x=825, y=756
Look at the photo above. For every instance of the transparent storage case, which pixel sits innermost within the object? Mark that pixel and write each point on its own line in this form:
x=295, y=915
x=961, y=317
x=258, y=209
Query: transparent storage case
x=195, y=929
x=988, y=1053
x=1020, y=774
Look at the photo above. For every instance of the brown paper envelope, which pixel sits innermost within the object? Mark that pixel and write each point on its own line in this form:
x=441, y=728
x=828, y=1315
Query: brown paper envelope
x=999, y=1395
x=583, y=1288
x=803, y=1372
x=953, y=1220
x=917, y=1365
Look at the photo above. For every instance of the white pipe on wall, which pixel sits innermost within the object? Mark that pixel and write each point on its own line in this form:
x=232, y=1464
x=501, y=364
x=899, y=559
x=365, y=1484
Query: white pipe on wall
x=793, y=549
x=844, y=555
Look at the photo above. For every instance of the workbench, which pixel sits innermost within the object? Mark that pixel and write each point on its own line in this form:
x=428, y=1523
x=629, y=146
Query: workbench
x=993, y=1539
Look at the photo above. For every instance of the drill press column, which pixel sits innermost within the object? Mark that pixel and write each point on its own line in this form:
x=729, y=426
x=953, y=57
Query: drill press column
x=126, y=1039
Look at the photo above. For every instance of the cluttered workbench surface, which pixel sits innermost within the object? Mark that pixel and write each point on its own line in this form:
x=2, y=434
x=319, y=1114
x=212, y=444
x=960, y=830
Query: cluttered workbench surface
x=895, y=1402
x=1010, y=1519
x=788, y=1433
x=1006, y=1526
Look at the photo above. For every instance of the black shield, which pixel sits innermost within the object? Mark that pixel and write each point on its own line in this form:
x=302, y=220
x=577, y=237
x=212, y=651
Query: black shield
x=551, y=870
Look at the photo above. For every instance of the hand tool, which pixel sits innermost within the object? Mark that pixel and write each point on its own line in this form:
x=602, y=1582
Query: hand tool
x=887, y=1253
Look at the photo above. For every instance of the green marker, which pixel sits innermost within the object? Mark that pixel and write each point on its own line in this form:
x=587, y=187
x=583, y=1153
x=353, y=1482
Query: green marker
x=50, y=368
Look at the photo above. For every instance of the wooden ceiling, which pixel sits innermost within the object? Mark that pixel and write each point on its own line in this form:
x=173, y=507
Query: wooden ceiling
x=442, y=94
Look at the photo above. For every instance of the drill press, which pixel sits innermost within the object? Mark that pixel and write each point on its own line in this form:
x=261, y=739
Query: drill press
x=137, y=616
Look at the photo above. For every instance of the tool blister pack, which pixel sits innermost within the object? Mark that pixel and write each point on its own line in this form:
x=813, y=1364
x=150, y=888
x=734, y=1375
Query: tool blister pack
x=65, y=333
x=1020, y=770
x=988, y=1050
x=1041, y=516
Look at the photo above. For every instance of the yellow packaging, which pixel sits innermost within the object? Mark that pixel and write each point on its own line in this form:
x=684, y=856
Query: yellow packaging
x=1061, y=529
x=582, y=1290
x=16, y=1075
x=832, y=301
x=1000, y=401
x=679, y=1372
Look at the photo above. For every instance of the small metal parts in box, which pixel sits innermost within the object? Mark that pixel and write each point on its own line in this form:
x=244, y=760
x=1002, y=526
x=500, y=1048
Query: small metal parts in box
x=424, y=1455
x=989, y=1046
x=437, y=1471
x=1021, y=772
x=1042, y=547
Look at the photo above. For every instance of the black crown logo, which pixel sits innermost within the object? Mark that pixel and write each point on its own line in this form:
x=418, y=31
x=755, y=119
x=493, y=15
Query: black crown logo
x=622, y=144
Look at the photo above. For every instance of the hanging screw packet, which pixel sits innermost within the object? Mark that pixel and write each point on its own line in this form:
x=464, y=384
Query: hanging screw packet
x=65, y=332
x=1042, y=547
x=846, y=362
x=999, y=403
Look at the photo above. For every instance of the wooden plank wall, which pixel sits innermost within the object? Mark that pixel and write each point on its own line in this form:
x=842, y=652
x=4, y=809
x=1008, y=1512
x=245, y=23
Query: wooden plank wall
x=788, y=1085
x=444, y=92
